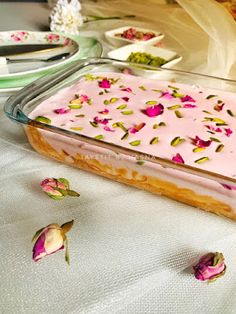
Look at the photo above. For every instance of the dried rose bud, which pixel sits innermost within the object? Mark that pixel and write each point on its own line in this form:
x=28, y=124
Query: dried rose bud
x=57, y=188
x=210, y=267
x=51, y=239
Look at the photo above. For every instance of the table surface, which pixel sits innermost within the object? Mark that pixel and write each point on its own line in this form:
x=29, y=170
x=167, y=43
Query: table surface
x=131, y=251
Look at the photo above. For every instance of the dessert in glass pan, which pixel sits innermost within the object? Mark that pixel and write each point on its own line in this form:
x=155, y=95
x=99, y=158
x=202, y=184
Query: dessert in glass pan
x=175, y=139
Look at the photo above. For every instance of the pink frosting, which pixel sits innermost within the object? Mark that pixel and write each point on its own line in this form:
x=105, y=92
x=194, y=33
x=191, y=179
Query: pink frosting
x=129, y=98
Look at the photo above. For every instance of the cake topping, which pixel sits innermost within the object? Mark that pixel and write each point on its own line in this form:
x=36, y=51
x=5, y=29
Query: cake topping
x=176, y=141
x=135, y=143
x=178, y=158
x=43, y=120
x=154, y=111
x=137, y=128
x=182, y=123
x=201, y=143
x=105, y=83
x=62, y=110
x=155, y=140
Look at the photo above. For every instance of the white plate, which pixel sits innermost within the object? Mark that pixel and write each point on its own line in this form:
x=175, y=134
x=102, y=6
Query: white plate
x=88, y=47
x=119, y=41
x=124, y=52
x=17, y=38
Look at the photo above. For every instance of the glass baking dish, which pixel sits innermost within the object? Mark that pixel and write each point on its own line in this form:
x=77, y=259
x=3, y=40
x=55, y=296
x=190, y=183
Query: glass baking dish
x=208, y=189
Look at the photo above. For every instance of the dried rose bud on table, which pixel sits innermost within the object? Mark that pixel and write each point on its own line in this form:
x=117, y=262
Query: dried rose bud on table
x=210, y=267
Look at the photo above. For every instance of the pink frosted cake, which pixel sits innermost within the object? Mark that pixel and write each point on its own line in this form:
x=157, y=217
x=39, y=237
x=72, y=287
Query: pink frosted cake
x=187, y=125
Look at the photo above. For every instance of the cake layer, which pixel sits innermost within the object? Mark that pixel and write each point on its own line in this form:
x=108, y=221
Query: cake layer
x=188, y=189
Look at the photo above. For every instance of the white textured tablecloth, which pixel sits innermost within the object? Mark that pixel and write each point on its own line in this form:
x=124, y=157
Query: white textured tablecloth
x=131, y=251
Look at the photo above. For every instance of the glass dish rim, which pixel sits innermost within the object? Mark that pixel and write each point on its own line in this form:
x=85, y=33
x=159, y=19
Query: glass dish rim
x=13, y=111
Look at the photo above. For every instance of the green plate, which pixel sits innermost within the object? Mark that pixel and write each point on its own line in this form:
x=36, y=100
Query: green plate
x=88, y=47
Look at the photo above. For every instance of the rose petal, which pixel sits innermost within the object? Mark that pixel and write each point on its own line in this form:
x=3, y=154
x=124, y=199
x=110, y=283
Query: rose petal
x=105, y=83
x=153, y=111
x=62, y=110
x=127, y=89
x=189, y=106
x=187, y=98
x=229, y=187
x=178, y=158
x=101, y=121
x=38, y=249
x=201, y=143
x=105, y=111
x=137, y=128
x=228, y=132
x=167, y=95
x=107, y=128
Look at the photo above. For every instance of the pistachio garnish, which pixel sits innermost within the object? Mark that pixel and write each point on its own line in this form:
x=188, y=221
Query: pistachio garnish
x=127, y=112
x=125, y=136
x=219, y=148
x=151, y=102
x=155, y=140
x=201, y=160
x=135, y=143
x=94, y=124
x=178, y=114
x=176, y=141
x=77, y=128
x=99, y=137
x=75, y=106
x=198, y=149
x=230, y=113
x=43, y=120
x=174, y=107
x=122, y=106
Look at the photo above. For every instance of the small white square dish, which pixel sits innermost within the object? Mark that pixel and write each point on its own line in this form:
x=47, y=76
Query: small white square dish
x=129, y=34
x=123, y=53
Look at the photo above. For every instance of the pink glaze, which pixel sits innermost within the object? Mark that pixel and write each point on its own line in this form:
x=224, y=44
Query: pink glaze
x=127, y=100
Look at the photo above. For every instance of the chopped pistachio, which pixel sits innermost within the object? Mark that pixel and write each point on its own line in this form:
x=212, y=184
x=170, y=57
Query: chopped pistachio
x=151, y=102
x=140, y=162
x=75, y=106
x=214, y=139
x=205, y=111
x=122, y=106
x=114, y=99
x=77, y=128
x=125, y=136
x=176, y=141
x=178, y=114
x=94, y=124
x=43, y=120
x=106, y=102
x=155, y=140
x=201, y=160
x=135, y=143
x=219, y=148
x=142, y=88
x=173, y=87
x=198, y=149
x=211, y=96
x=230, y=113
x=99, y=137
x=127, y=112
x=174, y=107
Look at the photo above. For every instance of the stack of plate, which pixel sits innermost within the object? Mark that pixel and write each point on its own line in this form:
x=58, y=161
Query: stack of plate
x=26, y=56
